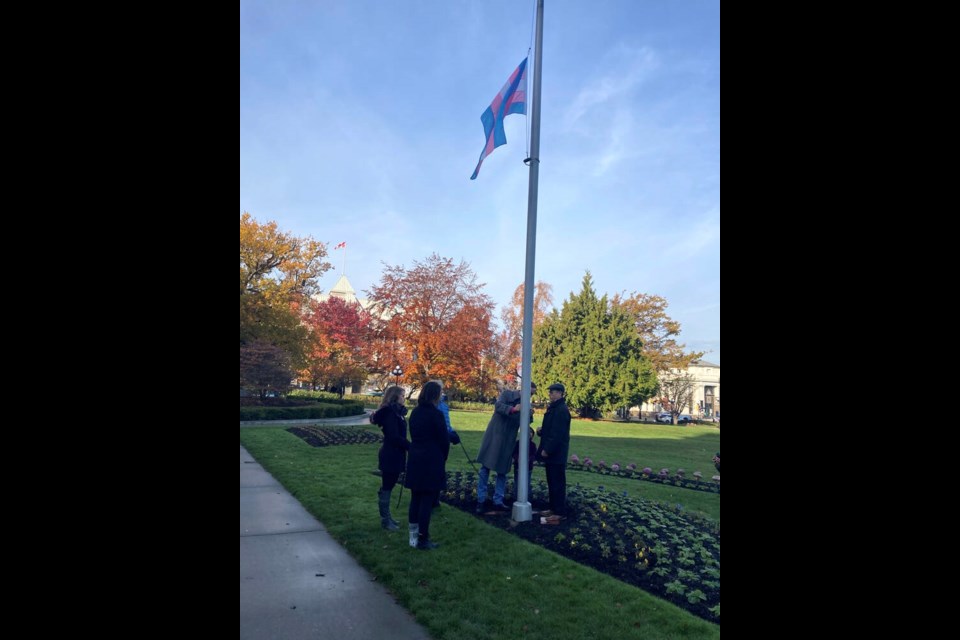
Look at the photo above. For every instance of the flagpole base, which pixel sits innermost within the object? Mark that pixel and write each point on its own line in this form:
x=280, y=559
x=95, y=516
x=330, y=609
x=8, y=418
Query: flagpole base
x=522, y=512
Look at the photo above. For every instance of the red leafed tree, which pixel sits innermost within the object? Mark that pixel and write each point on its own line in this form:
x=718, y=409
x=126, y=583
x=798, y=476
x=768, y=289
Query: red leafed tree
x=437, y=321
x=340, y=345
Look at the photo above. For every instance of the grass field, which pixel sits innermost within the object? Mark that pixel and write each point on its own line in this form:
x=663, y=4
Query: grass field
x=484, y=583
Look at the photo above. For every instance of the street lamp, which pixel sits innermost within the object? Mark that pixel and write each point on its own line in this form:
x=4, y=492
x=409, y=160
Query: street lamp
x=397, y=372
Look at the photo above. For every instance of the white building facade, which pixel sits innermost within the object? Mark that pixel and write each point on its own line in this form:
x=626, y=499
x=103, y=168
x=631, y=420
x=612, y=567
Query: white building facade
x=706, y=394
x=705, y=400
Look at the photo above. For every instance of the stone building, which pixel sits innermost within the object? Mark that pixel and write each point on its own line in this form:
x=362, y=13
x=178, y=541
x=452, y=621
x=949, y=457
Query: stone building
x=705, y=400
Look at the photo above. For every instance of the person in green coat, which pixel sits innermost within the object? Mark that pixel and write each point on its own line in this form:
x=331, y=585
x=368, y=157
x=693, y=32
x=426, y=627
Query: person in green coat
x=496, y=448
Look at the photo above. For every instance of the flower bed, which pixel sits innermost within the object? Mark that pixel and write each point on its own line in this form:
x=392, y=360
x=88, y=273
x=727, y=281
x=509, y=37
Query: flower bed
x=663, y=476
x=332, y=436
x=659, y=549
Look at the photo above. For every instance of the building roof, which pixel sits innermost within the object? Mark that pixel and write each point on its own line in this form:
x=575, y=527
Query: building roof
x=342, y=289
x=703, y=363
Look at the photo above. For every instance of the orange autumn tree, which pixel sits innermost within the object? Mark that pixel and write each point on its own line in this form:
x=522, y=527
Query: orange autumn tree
x=511, y=337
x=277, y=271
x=657, y=331
x=436, y=321
x=460, y=347
x=340, y=346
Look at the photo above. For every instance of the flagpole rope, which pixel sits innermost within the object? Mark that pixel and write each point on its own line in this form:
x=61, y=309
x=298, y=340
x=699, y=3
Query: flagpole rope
x=527, y=119
x=533, y=34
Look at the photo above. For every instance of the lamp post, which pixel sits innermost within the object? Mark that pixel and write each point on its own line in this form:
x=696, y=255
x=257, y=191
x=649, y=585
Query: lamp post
x=397, y=372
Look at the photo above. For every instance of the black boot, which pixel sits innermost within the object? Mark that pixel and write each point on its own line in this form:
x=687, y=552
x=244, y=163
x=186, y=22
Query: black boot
x=425, y=544
x=386, y=521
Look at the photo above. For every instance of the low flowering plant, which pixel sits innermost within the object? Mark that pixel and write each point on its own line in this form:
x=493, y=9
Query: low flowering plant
x=679, y=478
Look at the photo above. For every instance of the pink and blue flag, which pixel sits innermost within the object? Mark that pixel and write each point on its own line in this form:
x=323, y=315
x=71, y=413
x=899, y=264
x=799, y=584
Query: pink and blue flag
x=511, y=99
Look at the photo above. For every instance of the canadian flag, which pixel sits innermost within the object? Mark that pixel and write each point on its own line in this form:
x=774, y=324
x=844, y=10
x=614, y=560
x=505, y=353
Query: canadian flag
x=342, y=245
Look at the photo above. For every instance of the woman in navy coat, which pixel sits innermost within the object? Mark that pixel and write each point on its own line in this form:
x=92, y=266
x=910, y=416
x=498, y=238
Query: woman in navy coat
x=426, y=466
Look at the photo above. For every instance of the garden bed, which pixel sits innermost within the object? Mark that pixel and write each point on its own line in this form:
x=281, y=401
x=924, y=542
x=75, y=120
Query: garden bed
x=332, y=436
x=633, y=472
x=660, y=549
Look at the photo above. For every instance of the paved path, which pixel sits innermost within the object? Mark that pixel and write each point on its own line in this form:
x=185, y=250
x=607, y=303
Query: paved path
x=295, y=580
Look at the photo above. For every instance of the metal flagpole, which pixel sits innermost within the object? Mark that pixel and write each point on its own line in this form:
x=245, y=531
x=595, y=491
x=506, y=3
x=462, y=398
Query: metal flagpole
x=522, y=512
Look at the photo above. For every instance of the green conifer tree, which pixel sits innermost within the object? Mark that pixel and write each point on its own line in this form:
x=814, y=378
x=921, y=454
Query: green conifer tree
x=593, y=348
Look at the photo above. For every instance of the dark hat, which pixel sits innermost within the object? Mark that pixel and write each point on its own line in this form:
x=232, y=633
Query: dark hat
x=556, y=386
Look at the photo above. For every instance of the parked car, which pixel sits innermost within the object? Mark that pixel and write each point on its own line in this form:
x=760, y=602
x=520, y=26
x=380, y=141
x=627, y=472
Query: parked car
x=665, y=416
x=684, y=418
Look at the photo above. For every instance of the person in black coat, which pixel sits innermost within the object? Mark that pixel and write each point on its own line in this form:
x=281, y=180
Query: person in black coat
x=426, y=467
x=554, y=446
x=393, y=453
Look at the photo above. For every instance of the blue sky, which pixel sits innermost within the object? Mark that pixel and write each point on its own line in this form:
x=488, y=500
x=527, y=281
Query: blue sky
x=360, y=122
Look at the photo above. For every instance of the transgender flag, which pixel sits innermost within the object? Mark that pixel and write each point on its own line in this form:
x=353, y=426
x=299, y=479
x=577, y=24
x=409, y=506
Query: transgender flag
x=511, y=99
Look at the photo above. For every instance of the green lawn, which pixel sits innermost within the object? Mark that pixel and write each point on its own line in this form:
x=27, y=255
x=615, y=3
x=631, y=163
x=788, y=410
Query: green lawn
x=648, y=445
x=484, y=583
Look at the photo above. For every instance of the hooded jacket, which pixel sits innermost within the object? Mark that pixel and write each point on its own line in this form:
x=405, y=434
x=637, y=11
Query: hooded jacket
x=393, y=452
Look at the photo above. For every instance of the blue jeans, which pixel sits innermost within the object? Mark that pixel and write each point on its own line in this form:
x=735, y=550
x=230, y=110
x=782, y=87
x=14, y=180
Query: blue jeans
x=499, y=490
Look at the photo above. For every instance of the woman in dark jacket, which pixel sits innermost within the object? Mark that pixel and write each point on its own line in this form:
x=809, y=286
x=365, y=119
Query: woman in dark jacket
x=426, y=472
x=393, y=453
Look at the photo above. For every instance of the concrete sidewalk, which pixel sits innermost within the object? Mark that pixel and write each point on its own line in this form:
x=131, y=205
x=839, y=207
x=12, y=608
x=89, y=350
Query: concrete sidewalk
x=297, y=582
